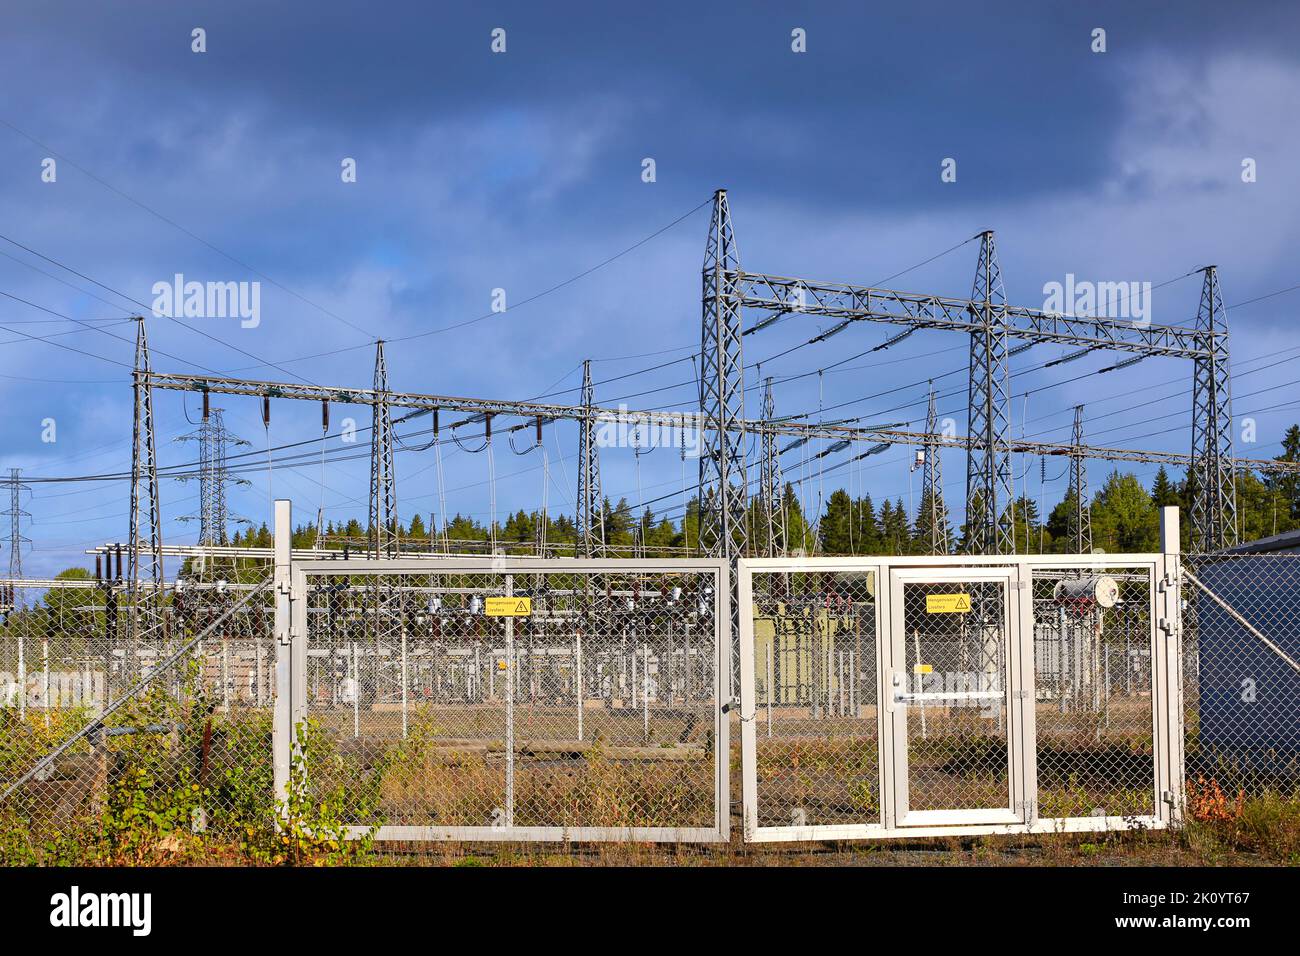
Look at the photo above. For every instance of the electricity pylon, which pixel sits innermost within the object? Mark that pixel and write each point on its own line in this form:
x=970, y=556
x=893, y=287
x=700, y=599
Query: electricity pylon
x=1213, y=484
x=770, y=498
x=989, y=494
x=145, y=559
x=1079, y=520
x=723, y=483
x=385, y=532
x=591, y=506
x=936, y=517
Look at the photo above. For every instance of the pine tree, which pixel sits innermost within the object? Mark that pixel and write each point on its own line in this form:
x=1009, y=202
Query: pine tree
x=1163, y=491
x=835, y=528
x=1124, y=518
x=798, y=533
x=866, y=533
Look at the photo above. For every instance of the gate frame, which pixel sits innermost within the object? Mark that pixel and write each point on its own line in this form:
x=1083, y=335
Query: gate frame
x=1166, y=690
x=291, y=687
x=1019, y=719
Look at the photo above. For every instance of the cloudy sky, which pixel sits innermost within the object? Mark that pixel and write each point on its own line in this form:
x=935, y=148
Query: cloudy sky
x=519, y=170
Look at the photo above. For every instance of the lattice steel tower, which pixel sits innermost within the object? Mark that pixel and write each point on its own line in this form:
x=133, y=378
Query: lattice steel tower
x=989, y=493
x=936, y=517
x=1213, y=485
x=723, y=482
x=385, y=533
x=214, y=440
x=770, y=500
x=145, y=560
x=591, y=505
x=1079, y=520
x=15, y=514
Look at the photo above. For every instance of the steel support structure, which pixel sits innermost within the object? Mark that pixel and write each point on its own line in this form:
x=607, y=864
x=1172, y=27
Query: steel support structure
x=723, y=484
x=1211, y=476
x=1079, y=520
x=527, y=411
x=385, y=527
x=771, y=506
x=146, y=573
x=214, y=441
x=990, y=498
x=590, y=517
x=13, y=598
x=936, y=513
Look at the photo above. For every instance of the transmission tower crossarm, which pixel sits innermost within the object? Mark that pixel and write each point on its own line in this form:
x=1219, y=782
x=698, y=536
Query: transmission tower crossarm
x=779, y=294
x=686, y=420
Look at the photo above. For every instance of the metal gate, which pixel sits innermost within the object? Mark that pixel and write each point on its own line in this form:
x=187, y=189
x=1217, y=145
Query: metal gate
x=513, y=699
x=885, y=697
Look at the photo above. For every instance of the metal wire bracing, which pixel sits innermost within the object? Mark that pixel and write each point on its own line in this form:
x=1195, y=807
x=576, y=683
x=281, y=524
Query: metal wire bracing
x=771, y=509
x=178, y=718
x=936, y=514
x=815, y=705
x=214, y=441
x=884, y=696
x=385, y=529
x=1093, y=677
x=1079, y=520
x=723, y=484
x=592, y=705
x=146, y=574
x=989, y=493
x=1213, y=484
x=591, y=503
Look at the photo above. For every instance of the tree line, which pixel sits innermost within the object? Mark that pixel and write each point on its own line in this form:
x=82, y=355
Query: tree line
x=1124, y=518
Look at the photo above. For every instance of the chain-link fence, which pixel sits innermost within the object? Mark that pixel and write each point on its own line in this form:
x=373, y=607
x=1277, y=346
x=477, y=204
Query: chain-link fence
x=116, y=712
x=1241, y=672
x=516, y=700
x=815, y=697
x=524, y=699
x=881, y=694
x=1093, y=668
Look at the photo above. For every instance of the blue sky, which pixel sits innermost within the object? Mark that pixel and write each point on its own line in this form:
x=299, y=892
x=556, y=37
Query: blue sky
x=519, y=170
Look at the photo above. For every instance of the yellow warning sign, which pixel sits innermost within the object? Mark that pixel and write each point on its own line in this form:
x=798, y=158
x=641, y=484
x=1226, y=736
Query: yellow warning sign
x=947, y=603
x=509, y=606
x=922, y=668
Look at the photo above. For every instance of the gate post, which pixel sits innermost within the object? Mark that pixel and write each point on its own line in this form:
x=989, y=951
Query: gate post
x=282, y=725
x=1169, y=637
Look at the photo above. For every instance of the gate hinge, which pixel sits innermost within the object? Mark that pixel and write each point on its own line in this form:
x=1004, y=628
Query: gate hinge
x=1022, y=694
x=283, y=589
x=1165, y=626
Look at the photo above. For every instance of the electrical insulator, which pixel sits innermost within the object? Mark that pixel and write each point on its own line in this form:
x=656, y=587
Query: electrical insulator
x=206, y=398
x=487, y=427
x=324, y=416
x=539, y=433
x=266, y=411
x=435, y=423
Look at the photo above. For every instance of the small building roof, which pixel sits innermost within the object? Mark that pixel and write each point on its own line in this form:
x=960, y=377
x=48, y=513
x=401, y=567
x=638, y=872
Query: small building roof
x=1287, y=541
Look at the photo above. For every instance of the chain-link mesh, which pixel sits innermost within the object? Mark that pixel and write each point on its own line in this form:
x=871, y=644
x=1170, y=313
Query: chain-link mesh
x=106, y=723
x=814, y=640
x=1092, y=679
x=594, y=708
x=966, y=679
x=1241, y=671
x=955, y=640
